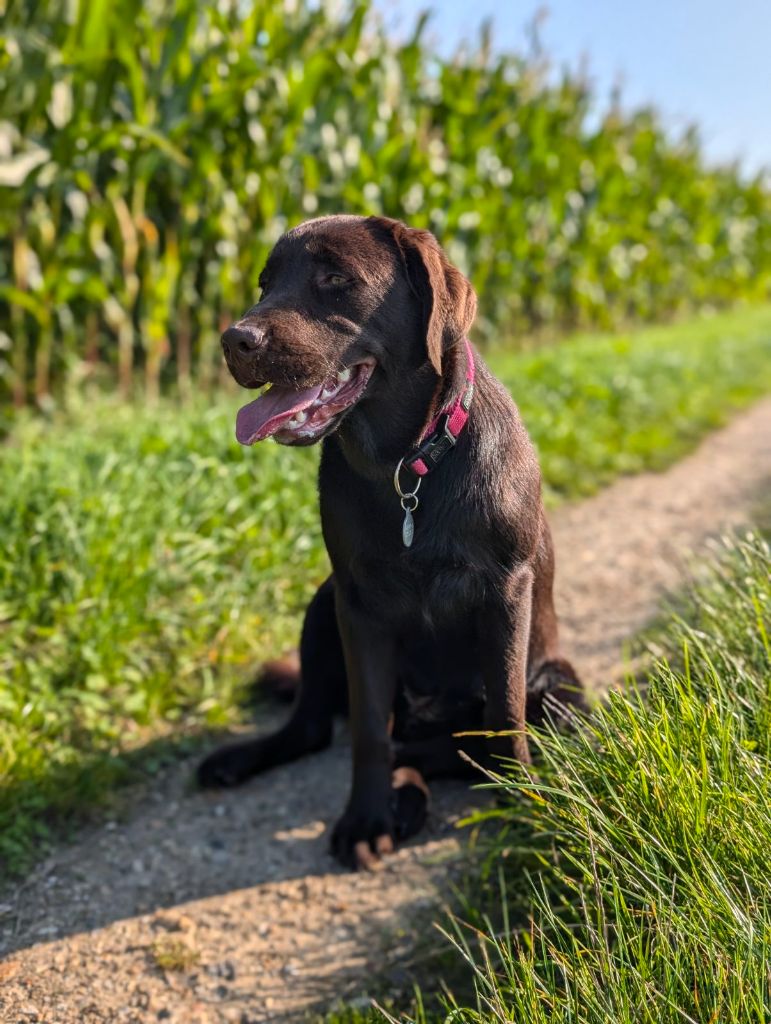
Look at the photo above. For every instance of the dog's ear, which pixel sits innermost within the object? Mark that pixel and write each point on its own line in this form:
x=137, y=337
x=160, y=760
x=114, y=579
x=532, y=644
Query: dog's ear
x=449, y=302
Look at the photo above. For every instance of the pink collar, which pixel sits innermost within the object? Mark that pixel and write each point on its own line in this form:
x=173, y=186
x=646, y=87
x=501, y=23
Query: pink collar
x=445, y=428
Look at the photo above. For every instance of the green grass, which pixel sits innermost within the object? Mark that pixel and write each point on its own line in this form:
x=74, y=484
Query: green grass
x=149, y=563
x=601, y=406
x=629, y=880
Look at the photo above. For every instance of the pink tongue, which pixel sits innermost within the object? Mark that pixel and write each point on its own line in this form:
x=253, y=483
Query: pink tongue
x=270, y=411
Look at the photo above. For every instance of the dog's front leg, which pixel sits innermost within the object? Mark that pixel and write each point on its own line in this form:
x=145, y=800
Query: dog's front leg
x=504, y=634
x=366, y=829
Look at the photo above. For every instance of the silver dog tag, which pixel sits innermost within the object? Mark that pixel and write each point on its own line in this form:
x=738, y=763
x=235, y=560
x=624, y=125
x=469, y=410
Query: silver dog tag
x=408, y=528
x=409, y=502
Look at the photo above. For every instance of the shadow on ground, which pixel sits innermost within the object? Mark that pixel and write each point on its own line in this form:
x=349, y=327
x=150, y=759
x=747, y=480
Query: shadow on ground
x=178, y=844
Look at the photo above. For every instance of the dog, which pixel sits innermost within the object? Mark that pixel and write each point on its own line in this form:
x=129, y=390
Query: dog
x=438, y=615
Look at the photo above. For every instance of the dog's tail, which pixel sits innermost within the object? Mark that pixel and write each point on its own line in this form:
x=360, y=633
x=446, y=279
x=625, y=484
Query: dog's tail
x=278, y=680
x=554, y=693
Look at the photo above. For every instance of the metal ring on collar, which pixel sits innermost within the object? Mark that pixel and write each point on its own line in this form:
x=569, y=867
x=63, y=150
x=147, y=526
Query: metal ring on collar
x=399, y=491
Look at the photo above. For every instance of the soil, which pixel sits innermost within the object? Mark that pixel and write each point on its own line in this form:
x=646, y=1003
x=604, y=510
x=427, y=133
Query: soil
x=201, y=908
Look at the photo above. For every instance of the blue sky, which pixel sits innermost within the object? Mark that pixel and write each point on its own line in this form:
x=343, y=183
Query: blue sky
x=707, y=61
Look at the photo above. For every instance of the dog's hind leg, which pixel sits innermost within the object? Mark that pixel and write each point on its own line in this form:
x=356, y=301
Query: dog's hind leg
x=322, y=693
x=550, y=677
x=554, y=691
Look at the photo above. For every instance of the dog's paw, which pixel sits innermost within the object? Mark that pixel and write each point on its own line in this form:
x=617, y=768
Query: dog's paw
x=363, y=836
x=227, y=766
x=409, y=802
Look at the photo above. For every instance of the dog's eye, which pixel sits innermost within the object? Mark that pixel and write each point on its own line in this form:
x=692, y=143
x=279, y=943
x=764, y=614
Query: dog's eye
x=334, y=280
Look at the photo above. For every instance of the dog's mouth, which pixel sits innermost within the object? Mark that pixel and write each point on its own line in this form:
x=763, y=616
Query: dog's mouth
x=302, y=417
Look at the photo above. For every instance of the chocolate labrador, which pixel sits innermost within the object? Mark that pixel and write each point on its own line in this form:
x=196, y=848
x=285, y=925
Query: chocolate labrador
x=438, y=616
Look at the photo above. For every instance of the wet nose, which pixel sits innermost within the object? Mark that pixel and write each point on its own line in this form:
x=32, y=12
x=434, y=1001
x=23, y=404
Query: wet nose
x=241, y=339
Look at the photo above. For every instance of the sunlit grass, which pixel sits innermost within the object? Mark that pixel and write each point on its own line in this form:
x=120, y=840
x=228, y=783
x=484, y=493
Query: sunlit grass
x=148, y=564
x=639, y=854
x=628, y=880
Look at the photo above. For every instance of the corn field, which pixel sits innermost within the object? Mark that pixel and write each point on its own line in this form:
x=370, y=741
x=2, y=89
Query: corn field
x=152, y=152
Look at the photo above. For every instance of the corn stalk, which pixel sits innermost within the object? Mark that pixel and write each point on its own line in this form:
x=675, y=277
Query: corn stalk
x=151, y=153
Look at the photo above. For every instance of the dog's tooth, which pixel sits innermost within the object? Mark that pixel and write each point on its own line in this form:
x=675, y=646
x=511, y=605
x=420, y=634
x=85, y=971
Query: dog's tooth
x=328, y=392
x=299, y=418
x=344, y=375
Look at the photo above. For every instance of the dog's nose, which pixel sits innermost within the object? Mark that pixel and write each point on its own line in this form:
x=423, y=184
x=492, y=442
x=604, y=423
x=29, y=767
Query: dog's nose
x=241, y=339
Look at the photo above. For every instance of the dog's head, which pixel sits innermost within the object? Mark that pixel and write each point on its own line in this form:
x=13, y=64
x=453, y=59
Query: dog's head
x=348, y=304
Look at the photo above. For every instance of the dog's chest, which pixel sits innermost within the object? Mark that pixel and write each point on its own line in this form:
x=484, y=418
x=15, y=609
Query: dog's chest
x=440, y=578
x=406, y=587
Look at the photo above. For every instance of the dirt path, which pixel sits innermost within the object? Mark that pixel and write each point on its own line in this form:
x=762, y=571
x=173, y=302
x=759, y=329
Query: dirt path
x=242, y=881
